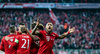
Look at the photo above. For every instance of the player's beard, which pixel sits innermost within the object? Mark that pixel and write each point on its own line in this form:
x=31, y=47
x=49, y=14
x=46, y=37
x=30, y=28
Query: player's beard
x=49, y=30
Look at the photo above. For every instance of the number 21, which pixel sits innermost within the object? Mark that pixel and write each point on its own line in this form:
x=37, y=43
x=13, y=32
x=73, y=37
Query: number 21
x=23, y=46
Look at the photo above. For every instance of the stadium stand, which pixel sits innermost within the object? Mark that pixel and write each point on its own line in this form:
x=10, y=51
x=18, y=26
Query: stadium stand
x=50, y=1
x=86, y=22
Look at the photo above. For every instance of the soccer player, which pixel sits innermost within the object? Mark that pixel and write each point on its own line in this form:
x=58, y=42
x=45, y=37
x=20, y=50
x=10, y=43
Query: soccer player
x=19, y=28
x=23, y=42
x=47, y=38
x=35, y=43
x=5, y=42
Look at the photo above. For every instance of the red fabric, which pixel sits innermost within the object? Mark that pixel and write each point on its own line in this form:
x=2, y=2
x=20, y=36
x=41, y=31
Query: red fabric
x=34, y=46
x=18, y=33
x=24, y=44
x=46, y=42
x=6, y=46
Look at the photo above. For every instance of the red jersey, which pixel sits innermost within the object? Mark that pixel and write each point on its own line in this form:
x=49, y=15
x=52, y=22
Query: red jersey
x=18, y=33
x=24, y=44
x=5, y=46
x=46, y=42
x=34, y=46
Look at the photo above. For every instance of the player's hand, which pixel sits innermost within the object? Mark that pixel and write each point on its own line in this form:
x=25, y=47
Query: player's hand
x=7, y=38
x=71, y=29
x=38, y=20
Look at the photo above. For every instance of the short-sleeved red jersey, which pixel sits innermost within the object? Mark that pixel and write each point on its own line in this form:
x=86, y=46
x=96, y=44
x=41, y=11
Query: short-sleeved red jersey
x=24, y=44
x=34, y=46
x=5, y=46
x=46, y=42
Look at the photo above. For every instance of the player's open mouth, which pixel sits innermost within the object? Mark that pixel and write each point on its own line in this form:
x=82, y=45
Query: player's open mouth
x=49, y=27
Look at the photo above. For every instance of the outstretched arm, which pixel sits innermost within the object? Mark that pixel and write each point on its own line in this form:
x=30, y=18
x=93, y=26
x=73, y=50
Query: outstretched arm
x=34, y=30
x=70, y=30
x=32, y=36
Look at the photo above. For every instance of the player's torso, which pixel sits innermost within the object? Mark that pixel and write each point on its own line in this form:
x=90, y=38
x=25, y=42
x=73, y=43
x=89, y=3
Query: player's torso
x=24, y=44
x=46, y=42
x=8, y=48
x=34, y=47
x=47, y=38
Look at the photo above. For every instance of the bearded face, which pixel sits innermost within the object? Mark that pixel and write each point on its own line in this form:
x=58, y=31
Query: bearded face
x=49, y=27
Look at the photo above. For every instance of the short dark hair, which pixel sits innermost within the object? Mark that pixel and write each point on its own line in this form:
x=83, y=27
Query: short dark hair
x=40, y=27
x=21, y=24
x=23, y=30
x=12, y=29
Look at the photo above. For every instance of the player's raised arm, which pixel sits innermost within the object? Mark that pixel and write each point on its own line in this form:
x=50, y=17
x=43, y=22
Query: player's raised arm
x=70, y=30
x=34, y=30
x=32, y=36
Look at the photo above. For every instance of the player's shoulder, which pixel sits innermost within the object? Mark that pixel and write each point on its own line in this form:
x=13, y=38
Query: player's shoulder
x=4, y=37
x=54, y=34
x=42, y=31
x=18, y=36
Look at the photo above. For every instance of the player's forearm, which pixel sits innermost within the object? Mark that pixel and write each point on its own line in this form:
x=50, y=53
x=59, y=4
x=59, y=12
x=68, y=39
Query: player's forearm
x=30, y=34
x=63, y=35
x=35, y=38
x=33, y=31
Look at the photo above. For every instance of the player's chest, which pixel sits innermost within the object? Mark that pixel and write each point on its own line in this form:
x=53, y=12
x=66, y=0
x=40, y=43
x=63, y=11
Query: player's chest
x=49, y=37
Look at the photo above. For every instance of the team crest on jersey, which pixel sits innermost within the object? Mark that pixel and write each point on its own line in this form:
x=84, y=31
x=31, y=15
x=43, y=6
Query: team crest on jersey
x=53, y=35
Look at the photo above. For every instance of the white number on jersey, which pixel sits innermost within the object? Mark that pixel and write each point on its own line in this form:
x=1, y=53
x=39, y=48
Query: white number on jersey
x=9, y=46
x=23, y=46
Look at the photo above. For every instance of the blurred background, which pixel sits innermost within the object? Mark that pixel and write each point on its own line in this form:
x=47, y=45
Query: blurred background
x=84, y=15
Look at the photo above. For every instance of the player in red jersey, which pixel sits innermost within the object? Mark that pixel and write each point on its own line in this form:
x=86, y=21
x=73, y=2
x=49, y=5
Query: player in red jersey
x=34, y=46
x=23, y=42
x=19, y=29
x=5, y=42
x=35, y=43
x=47, y=38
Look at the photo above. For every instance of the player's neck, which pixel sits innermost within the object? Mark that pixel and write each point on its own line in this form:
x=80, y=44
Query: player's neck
x=12, y=33
x=23, y=33
x=19, y=31
x=49, y=32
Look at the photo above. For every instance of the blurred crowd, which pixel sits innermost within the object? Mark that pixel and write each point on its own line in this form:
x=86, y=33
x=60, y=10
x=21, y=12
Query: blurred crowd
x=50, y=1
x=87, y=24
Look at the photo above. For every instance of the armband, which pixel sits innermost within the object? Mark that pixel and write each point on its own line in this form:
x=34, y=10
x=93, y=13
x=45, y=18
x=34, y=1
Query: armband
x=16, y=40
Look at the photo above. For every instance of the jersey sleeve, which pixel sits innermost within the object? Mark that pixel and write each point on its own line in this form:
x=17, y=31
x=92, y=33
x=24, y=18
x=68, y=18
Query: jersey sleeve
x=14, y=44
x=56, y=35
x=41, y=34
x=2, y=44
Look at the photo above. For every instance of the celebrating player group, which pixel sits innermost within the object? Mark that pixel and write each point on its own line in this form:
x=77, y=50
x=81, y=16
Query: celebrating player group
x=35, y=41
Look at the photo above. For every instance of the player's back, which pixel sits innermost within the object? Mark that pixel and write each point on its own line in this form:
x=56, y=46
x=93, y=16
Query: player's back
x=7, y=47
x=24, y=44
